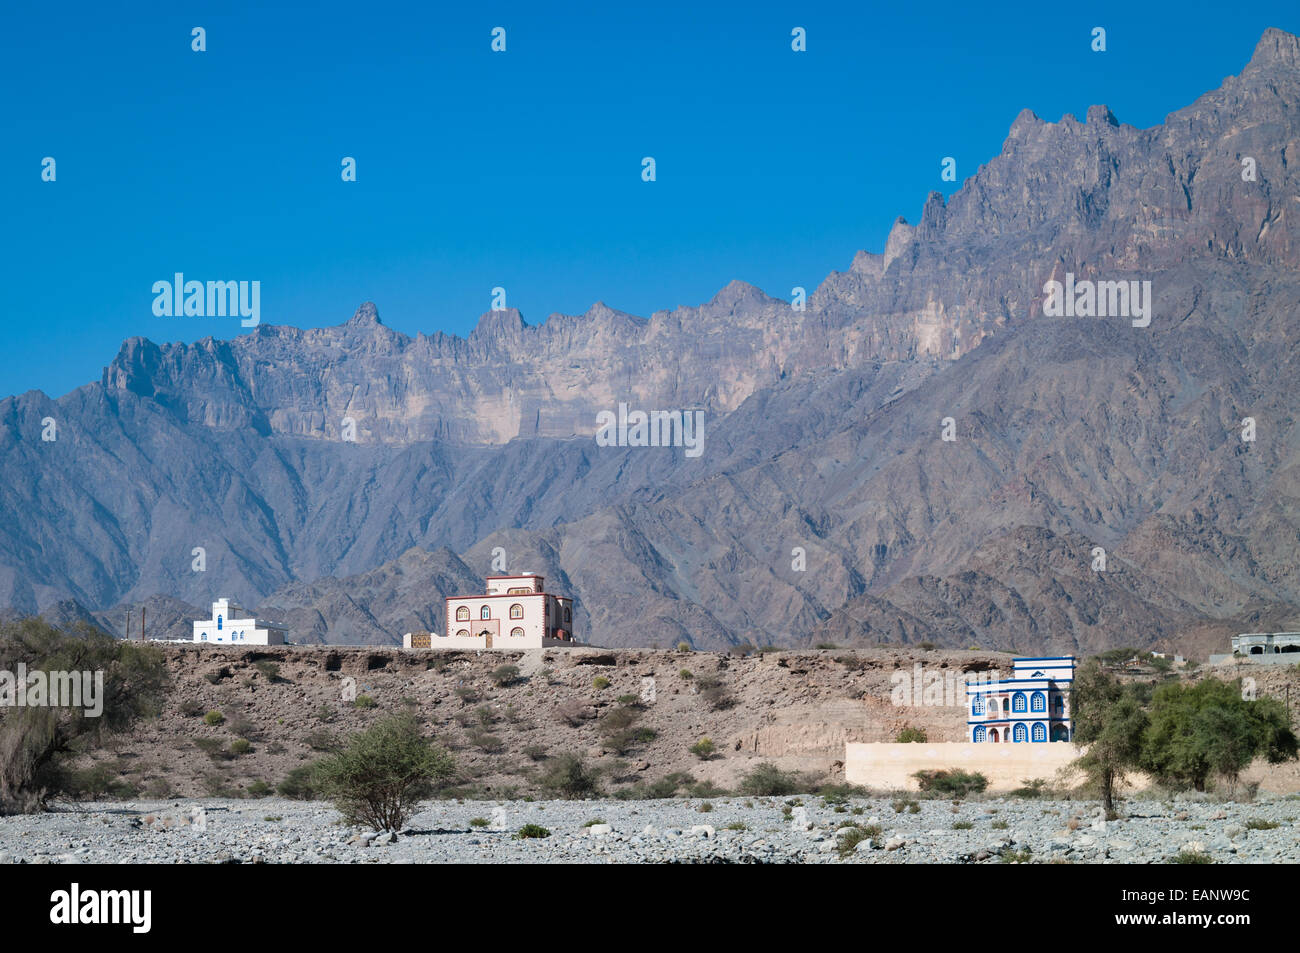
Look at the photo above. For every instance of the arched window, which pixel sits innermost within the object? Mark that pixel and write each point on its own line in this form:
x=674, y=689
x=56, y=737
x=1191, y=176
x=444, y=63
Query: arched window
x=516, y=611
x=1018, y=703
x=1021, y=733
x=1060, y=733
x=568, y=615
x=980, y=733
x=516, y=633
x=462, y=614
x=485, y=612
x=1038, y=702
x=462, y=633
x=218, y=623
x=204, y=636
x=977, y=706
x=993, y=735
x=1040, y=731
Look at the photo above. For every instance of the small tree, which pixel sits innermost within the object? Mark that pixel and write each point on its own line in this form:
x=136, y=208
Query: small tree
x=382, y=773
x=1110, y=720
x=37, y=742
x=569, y=777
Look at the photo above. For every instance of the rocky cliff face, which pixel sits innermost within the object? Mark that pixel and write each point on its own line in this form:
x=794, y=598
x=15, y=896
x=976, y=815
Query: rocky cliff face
x=823, y=440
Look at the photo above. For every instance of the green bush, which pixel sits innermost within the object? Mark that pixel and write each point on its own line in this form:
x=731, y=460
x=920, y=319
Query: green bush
x=600, y=682
x=382, y=773
x=213, y=718
x=911, y=735
x=569, y=777
x=951, y=783
x=703, y=749
x=298, y=784
x=505, y=675
x=270, y=670
x=1191, y=857
x=1259, y=824
x=240, y=747
x=364, y=701
x=258, y=788
x=532, y=831
x=683, y=647
x=767, y=780
x=479, y=822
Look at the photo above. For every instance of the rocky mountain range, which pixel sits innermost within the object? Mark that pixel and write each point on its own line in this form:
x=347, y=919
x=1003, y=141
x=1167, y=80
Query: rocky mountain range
x=345, y=479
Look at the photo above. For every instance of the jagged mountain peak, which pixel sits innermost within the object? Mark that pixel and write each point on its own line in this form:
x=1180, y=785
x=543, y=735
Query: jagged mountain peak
x=1276, y=48
x=367, y=315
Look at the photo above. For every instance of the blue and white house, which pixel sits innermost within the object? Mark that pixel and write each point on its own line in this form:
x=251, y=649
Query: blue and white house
x=232, y=625
x=1032, y=706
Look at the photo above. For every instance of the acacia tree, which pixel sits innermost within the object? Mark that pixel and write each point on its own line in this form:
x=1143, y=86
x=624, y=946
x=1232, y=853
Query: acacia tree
x=1109, y=719
x=36, y=742
x=1208, y=728
x=382, y=773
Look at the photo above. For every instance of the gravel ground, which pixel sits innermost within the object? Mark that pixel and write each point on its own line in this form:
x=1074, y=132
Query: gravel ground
x=775, y=830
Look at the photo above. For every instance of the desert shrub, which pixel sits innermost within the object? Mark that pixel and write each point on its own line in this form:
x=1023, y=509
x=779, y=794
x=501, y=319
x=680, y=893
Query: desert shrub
x=628, y=699
x=910, y=735
x=479, y=822
x=600, y=682
x=326, y=713
x=382, y=773
x=532, y=831
x=767, y=780
x=364, y=701
x=714, y=693
x=485, y=741
x=683, y=647
x=259, y=788
x=1259, y=824
x=213, y=718
x=213, y=748
x=685, y=674
x=705, y=808
x=1191, y=857
x=1031, y=788
x=325, y=741
x=852, y=835
x=240, y=747
x=191, y=708
x=505, y=675
x=703, y=749
x=665, y=787
x=270, y=670
x=242, y=727
x=535, y=752
x=298, y=784
x=951, y=783
x=568, y=776
x=575, y=712
x=962, y=825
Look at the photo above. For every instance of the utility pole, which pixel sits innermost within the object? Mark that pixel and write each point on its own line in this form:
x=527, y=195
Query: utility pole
x=142, y=623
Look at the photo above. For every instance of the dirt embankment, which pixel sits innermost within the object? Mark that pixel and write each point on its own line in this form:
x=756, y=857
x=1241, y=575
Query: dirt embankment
x=796, y=708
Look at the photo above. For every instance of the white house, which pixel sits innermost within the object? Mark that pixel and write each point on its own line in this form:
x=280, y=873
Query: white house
x=1033, y=705
x=516, y=612
x=232, y=625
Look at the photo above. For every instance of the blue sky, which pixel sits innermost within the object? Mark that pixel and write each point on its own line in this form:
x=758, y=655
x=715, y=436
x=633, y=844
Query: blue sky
x=522, y=169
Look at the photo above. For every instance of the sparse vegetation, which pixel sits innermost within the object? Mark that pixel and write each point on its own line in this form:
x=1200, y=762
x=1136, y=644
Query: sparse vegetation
x=382, y=773
x=951, y=783
x=532, y=831
x=704, y=749
x=213, y=718
x=910, y=735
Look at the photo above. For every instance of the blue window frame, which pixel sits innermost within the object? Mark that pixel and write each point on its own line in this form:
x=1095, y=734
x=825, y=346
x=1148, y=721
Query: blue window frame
x=977, y=707
x=1038, y=702
x=1040, y=731
x=1020, y=733
x=981, y=733
x=1018, y=702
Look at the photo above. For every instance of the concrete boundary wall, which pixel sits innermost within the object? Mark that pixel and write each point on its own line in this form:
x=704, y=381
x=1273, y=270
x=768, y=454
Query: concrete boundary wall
x=890, y=767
